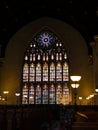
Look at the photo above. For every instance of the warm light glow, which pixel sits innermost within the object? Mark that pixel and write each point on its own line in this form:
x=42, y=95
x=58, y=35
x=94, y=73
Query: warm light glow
x=5, y=92
x=17, y=94
x=92, y=95
x=75, y=78
x=80, y=98
x=3, y=99
x=75, y=85
x=96, y=90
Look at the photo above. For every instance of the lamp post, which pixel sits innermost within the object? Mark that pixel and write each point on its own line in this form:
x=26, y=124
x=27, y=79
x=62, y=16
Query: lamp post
x=80, y=98
x=75, y=85
x=5, y=93
x=17, y=96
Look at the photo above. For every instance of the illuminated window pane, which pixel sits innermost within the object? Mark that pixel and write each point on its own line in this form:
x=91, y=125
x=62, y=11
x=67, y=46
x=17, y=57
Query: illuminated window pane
x=31, y=95
x=44, y=57
x=65, y=72
x=32, y=72
x=57, y=56
x=45, y=72
x=52, y=95
x=58, y=94
x=45, y=95
x=60, y=44
x=60, y=56
x=38, y=95
x=39, y=57
x=47, y=57
x=52, y=72
x=66, y=95
x=52, y=57
x=26, y=57
x=65, y=56
x=38, y=72
x=58, y=72
x=30, y=57
x=25, y=94
x=25, y=72
x=33, y=57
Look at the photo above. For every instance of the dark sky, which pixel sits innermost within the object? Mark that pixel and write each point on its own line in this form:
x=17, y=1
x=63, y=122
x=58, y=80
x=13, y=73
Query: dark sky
x=81, y=14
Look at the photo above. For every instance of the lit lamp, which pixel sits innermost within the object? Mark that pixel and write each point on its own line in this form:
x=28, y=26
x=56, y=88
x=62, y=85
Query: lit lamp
x=5, y=93
x=96, y=90
x=80, y=98
x=17, y=95
x=75, y=85
x=97, y=94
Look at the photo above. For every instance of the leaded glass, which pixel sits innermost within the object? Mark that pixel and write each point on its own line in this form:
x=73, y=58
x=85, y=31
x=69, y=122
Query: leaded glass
x=25, y=72
x=45, y=71
x=65, y=72
x=31, y=94
x=38, y=72
x=45, y=95
x=58, y=94
x=38, y=94
x=32, y=72
x=59, y=72
x=25, y=94
x=52, y=95
x=52, y=72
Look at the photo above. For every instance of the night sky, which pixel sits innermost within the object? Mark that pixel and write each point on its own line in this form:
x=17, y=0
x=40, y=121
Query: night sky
x=81, y=14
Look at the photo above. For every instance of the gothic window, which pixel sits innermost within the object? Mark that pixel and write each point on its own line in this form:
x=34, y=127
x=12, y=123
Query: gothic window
x=32, y=72
x=38, y=94
x=59, y=72
x=52, y=94
x=52, y=72
x=65, y=72
x=31, y=94
x=45, y=76
x=58, y=94
x=38, y=72
x=25, y=72
x=45, y=95
x=25, y=94
x=45, y=72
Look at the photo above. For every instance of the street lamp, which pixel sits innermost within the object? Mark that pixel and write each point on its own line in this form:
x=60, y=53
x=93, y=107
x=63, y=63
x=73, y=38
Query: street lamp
x=80, y=98
x=75, y=85
x=5, y=93
x=17, y=96
x=96, y=90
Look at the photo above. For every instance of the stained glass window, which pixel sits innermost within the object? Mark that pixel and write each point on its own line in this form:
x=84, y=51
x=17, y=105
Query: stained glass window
x=31, y=94
x=52, y=95
x=52, y=72
x=58, y=94
x=38, y=94
x=65, y=72
x=59, y=72
x=38, y=72
x=45, y=95
x=25, y=72
x=45, y=71
x=25, y=94
x=32, y=72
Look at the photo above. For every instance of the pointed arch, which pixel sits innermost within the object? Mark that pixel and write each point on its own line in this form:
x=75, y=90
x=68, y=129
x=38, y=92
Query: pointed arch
x=46, y=69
